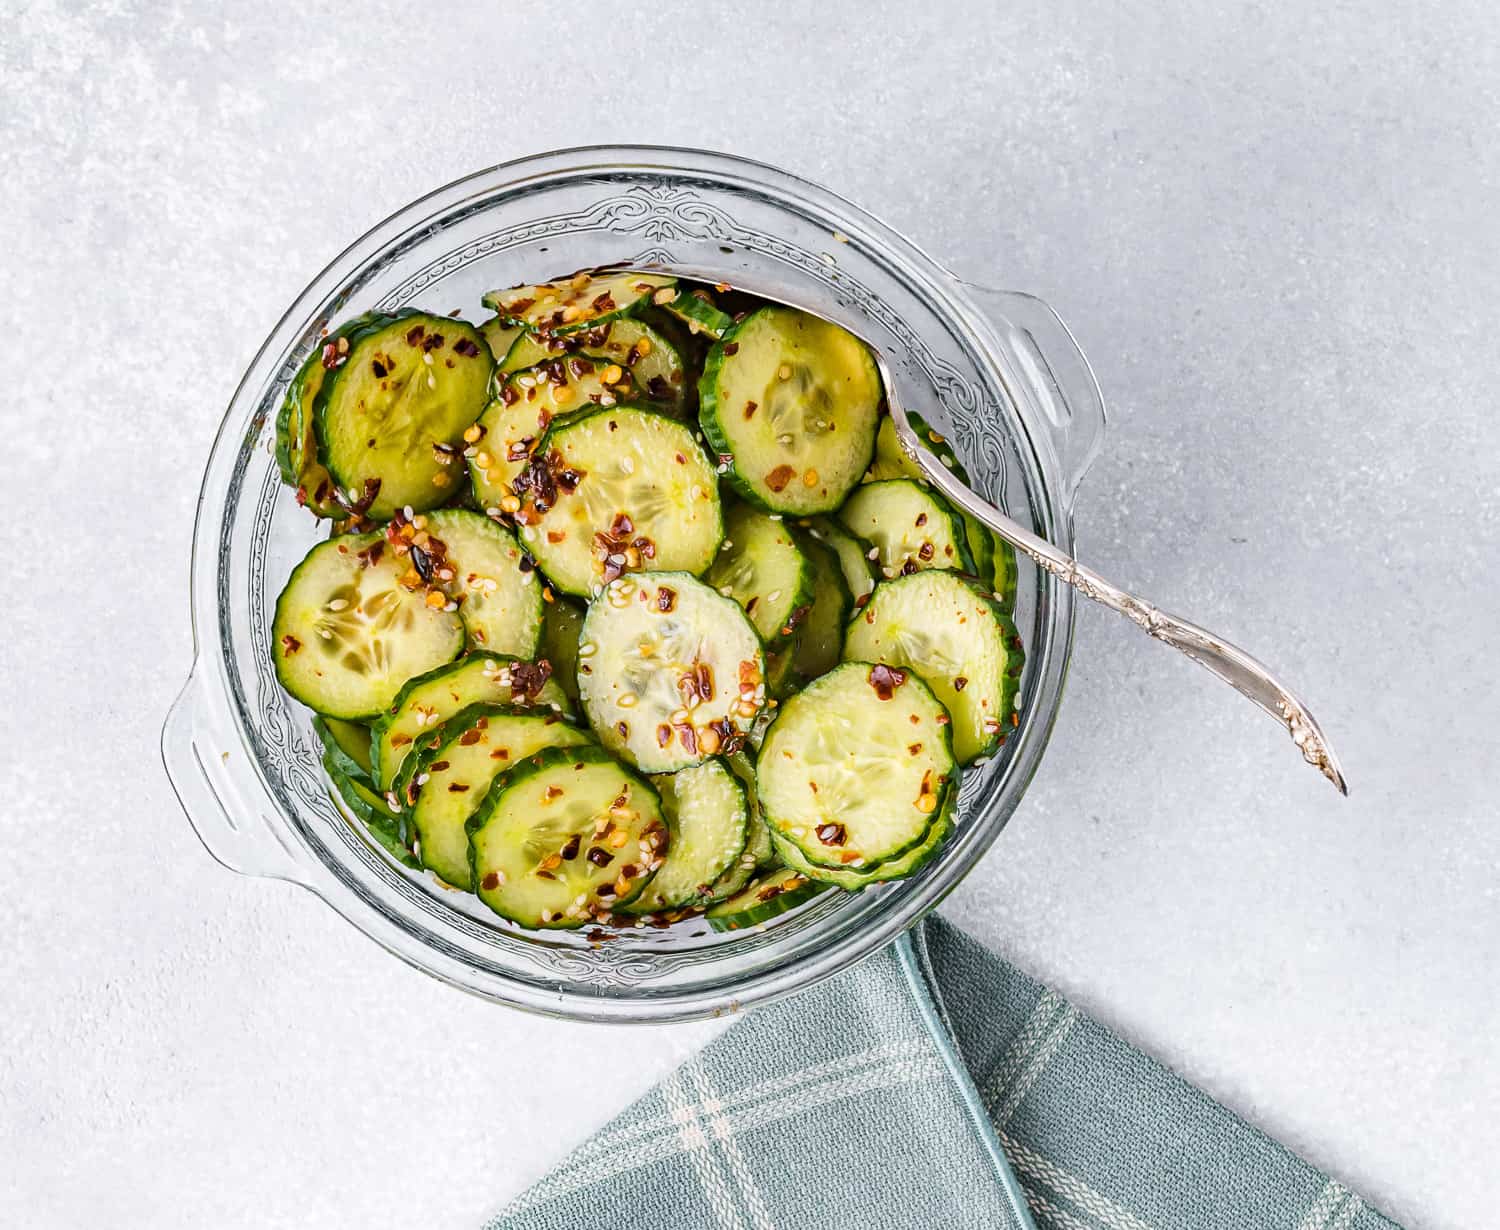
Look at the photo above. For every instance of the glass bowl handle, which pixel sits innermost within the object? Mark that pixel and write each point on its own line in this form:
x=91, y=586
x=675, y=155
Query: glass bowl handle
x=207, y=765
x=1065, y=394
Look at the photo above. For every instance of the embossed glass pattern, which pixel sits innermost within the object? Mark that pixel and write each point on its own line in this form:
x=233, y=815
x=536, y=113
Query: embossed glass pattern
x=995, y=371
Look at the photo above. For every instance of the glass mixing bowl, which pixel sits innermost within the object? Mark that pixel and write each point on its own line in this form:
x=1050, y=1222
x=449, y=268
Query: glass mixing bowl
x=996, y=372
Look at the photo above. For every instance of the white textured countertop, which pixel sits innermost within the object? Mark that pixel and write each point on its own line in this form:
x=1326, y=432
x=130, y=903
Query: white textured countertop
x=1275, y=236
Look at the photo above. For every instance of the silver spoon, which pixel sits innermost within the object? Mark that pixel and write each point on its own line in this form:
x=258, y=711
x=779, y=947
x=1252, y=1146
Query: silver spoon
x=1228, y=661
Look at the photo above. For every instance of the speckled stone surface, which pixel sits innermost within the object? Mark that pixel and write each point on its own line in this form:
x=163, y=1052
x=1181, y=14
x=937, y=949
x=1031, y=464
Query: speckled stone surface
x=1273, y=228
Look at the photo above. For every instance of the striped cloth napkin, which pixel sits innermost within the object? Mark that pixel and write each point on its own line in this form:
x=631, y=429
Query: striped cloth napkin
x=933, y=1085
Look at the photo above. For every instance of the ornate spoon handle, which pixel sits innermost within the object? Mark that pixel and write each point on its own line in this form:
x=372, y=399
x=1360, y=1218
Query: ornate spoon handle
x=1226, y=660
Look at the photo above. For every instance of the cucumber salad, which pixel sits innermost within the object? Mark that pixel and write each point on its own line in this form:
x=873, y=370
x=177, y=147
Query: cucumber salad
x=631, y=608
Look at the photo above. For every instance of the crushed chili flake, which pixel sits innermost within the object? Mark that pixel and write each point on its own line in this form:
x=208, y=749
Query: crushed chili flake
x=466, y=347
x=778, y=478
x=831, y=834
x=666, y=599
x=457, y=787
x=599, y=856
x=750, y=409
x=960, y=683
x=924, y=552
x=291, y=644
x=490, y=882
x=528, y=678
x=885, y=680
x=570, y=847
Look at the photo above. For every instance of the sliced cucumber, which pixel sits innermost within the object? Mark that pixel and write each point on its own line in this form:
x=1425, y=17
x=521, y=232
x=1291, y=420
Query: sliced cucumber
x=449, y=781
x=654, y=362
x=890, y=460
x=820, y=641
x=670, y=672
x=296, y=440
x=366, y=806
x=428, y=701
x=617, y=490
x=757, y=854
x=524, y=406
x=479, y=565
x=781, y=670
x=346, y=745
x=391, y=416
x=853, y=554
x=348, y=632
x=910, y=526
x=709, y=819
x=853, y=879
x=791, y=402
x=855, y=768
x=500, y=337
x=761, y=567
x=695, y=308
x=1005, y=573
x=582, y=301
x=565, y=838
x=958, y=640
x=562, y=624
x=776, y=892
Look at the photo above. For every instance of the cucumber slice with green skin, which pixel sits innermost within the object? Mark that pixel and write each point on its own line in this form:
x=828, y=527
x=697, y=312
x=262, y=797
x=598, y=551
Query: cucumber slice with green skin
x=653, y=360
x=853, y=879
x=565, y=838
x=526, y=404
x=781, y=670
x=347, y=745
x=762, y=568
x=348, y=633
x=853, y=555
x=1004, y=572
x=391, y=416
x=429, y=700
x=778, y=891
x=855, y=768
x=562, y=625
x=909, y=526
x=695, y=308
x=449, y=781
x=583, y=301
x=480, y=565
x=994, y=558
x=820, y=642
x=791, y=402
x=709, y=820
x=891, y=462
x=617, y=490
x=757, y=854
x=670, y=672
x=500, y=337
x=296, y=441
x=958, y=640
x=366, y=806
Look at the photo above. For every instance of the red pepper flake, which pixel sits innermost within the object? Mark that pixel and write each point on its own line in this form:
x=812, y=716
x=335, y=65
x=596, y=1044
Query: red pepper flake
x=570, y=847
x=552, y=792
x=290, y=644
x=466, y=347
x=528, y=678
x=924, y=552
x=663, y=735
x=921, y=520
x=624, y=729
x=379, y=368
x=914, y=748
x=732, y=348
x=831, y=834
x=885, y=680
x=490, y=882
x=599, y=856
x=469, y=738
x=457, y=787
x=778, y=478
x=750, y=409
x=689, y=738
x=960, y=683
x=666, y=599
x=414, y=335
x=433, y=341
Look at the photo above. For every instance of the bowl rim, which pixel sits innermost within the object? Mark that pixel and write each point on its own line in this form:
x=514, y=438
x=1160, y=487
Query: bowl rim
x=210, y=594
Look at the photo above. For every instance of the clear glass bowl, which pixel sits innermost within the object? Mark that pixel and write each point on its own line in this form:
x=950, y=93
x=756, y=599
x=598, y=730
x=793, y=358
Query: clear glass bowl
x=996, y=372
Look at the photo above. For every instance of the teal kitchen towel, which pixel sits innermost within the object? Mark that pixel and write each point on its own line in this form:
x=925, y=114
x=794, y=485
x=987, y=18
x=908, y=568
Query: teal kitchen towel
x=933, y=1085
